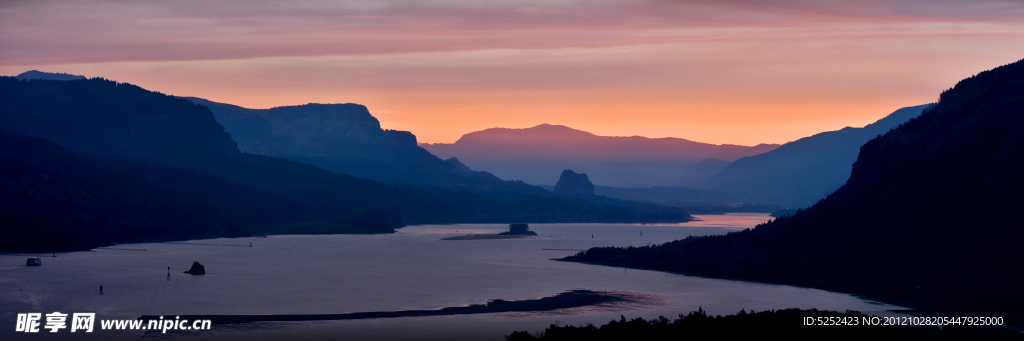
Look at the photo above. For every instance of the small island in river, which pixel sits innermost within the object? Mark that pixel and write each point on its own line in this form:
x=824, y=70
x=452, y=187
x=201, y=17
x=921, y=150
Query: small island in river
x=514, y=231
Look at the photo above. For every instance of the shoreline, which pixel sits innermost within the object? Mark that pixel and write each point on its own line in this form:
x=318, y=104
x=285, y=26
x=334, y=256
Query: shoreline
x=569, y=299
x=1014, y=321
x=490, y=236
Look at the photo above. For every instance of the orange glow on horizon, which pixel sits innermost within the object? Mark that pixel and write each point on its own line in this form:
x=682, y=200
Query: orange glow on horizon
x=734, y=72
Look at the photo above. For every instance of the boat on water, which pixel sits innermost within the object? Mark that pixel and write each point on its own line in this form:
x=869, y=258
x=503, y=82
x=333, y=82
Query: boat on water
x=33, y=262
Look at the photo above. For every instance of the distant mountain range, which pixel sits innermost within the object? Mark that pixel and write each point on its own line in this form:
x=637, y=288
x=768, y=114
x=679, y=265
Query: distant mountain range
x=92, y=162
x=50, y=76
x=347, y=139
x=538, y=155
x=801, y=172
x=671, y=170
x=928, y=217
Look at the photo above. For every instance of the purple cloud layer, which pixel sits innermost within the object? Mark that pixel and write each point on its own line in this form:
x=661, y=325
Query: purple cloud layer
x=741, y=72
x=33, y=32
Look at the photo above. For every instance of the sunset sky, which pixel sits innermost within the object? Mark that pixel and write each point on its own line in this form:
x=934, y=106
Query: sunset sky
x=740, y=72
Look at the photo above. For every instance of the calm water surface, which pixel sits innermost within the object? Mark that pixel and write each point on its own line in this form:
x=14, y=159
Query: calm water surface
x=411, y=269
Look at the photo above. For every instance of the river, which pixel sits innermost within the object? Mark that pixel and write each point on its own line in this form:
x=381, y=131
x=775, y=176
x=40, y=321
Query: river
x=411, y=269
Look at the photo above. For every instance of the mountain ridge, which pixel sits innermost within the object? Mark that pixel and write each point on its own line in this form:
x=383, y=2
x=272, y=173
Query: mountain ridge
x=800, y=172
x=145, y=131
x=348, y=139
x=39, y=75
x=924, y=201
x=537, y=155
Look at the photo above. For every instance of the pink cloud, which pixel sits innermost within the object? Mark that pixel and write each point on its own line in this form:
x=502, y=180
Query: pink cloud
x=100, y=31
x=741, y=72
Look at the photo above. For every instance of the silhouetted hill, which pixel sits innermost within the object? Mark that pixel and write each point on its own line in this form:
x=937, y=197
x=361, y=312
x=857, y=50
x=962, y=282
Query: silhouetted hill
x=574, y=184
x=536, y=155
x=928, y=216
x=347, y=139
x=57, y=201
x=97, y=118
x=801, y=172
x=27, y=75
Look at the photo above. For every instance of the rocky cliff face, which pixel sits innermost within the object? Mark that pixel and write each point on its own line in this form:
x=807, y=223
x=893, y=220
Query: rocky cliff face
x=575, y=184
x=332, y=131
x=347, y=139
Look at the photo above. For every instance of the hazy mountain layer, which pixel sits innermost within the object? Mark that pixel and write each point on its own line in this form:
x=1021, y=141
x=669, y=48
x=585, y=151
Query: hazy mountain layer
x=149, y=133
x=347, y=139
x=537, y=155
x=801, y=172
x=928, y=215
